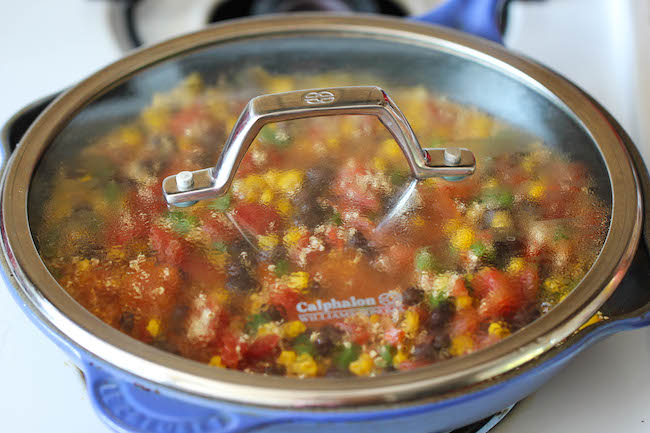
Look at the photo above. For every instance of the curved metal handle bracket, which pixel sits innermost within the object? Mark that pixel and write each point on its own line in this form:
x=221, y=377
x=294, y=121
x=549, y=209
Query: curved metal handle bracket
x=187, y=187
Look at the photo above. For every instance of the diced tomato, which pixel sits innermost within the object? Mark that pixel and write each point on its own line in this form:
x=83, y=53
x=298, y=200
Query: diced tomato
x=188, y=119
x=232, y=350
x=201, y=271
x=125, y=229
x=287, y=298
x=411, y=365
x=400, y=258
x=171, y=249
x=500, y=296
x=487, y=280
x=150, y=288
x=528, y=281
x=357, y=332
x=461, y=190
x=218, y=227
x=257, y=218
x=353, y=194
x=333, y=239
x=465, y=321
x=501, y=302
x=264, y=347
x=394, y=335
x=459, y=289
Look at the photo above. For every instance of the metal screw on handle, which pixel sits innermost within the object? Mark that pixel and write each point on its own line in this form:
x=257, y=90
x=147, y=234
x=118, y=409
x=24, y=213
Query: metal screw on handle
x=186, y=188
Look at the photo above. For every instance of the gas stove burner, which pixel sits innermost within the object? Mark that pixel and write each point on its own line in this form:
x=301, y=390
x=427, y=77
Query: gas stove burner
x=143, y=22
x=486, y=424
x=238, y=8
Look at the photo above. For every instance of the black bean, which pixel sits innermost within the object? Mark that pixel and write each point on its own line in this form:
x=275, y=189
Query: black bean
x=238, y=278
x=314, y=288
x=275, y=370
x=412, y=296
x=505, y=249
x=177, y=318
x=274, y=255
x=327, y=339
x=441, y=314
x=359, y=241
x=126, y=321
x=424, y=351
x=167, y=346
x=309, y=213
x=441, y=341
x=523, y=317
x=275, y=313
x=319, y=178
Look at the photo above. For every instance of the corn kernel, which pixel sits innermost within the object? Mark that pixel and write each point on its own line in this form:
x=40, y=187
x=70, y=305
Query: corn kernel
x=83, y=265
x=267, y=242
x=267, y=196
x=333, y=144
x=362, y=366
x=554, y=285
x=411, y=322
x=461, y=345
x=462, y=239
x=217, y=258
x=304, y=365
x=516, y=265
x=290, y=181
x=280, y=84
x=499, y=329
x=215, y=361
x=479, y=125
x=400, y=357
x=269, y=328
x=252, y=187
x=418, y=221
x=463, y=302
x=283, y=206
x=185, y=143
x=298, y=280
x=390, y=149
x=452, y=226
x=194, y=83
x=116, y=253
x=293, y=329
x=131, y=136
x=379, y=164
x=156, y=119
x=501, y=220
x=594, y=319
x=374, y=318
x=153, y=327
x=294, y=234
x=490, y=183
x=536, y=190
x=286, y=358
x=271, y=177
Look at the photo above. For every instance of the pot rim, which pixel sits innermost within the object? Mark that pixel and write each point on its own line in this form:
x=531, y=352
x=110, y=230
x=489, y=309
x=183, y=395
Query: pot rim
x=426, y=383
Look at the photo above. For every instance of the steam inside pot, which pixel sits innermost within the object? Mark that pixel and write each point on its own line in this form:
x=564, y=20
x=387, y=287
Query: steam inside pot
x=289, y=274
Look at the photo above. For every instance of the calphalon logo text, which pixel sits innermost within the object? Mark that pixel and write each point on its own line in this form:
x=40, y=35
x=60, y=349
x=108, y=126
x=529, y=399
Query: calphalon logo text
x=337, y=309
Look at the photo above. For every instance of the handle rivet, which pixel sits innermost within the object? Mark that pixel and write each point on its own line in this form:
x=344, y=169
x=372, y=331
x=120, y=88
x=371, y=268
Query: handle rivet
x=453, y=155
x=185, y=180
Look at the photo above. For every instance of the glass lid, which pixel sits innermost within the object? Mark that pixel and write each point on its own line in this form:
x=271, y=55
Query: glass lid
x=336, y=246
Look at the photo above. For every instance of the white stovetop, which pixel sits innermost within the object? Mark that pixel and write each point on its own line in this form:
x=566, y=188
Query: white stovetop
x=600, y=44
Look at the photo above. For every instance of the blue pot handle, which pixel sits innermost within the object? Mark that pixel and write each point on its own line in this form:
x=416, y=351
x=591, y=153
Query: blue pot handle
x=477, y=17
x=127, y=408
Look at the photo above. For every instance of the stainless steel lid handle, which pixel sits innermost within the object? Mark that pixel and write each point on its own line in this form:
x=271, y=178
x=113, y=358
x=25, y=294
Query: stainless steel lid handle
x=186, y=188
